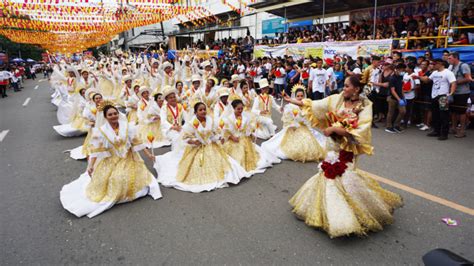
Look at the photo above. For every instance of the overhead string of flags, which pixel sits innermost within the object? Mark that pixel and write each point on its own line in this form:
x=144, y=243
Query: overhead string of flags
x=69, y=26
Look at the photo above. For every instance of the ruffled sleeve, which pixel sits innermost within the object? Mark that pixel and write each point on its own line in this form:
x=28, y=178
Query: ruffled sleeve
x=98, y=146
x=188, y=132
x=315, y=111
x=287, y=117
x=165, y=124
x=360, y=141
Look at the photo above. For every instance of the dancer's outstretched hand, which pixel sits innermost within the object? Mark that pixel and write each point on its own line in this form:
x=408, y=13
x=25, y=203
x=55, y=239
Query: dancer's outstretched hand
x=286, y=98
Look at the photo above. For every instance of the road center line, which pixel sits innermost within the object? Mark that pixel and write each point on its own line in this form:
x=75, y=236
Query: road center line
x=3, y=134
x=36, y=87
x=420, y=193
x=26, y=101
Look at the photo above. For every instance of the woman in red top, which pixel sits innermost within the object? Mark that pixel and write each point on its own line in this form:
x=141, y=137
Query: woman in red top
x=462, y=40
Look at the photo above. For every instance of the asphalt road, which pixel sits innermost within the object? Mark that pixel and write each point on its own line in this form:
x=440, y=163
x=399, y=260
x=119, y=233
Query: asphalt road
x=249, y=224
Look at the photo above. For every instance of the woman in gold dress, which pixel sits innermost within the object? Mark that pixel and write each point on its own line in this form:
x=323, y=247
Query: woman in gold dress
x=298, y=140
x=78, y=125
x=149, y=121
x=116, y=171
x=238, y=135
x=202, y=165
x=90, y=115
x=340, y=199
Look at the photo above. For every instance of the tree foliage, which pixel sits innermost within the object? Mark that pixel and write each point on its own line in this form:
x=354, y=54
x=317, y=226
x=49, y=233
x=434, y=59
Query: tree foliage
x=13, y=49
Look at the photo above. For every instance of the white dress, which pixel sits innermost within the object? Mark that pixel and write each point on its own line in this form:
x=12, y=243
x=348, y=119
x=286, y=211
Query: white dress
x=120, y=175
x=198, y=168
x=265, y=126
x=169, y=116
x=78, y=125
x=66, y=106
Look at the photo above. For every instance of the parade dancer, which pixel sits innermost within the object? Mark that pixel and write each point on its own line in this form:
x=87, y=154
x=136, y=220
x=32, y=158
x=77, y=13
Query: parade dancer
x=116, y=172
x=340, y=199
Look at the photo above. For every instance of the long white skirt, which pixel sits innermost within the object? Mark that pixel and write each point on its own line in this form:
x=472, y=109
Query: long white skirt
x=56, y=100
x=166, y=166
x=265, y=127
x=68, y=131
x=77, y=153
x=65, y=112
x=74, y=199
x=266, y=160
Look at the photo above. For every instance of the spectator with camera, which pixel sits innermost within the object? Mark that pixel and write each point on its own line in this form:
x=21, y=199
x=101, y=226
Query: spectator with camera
x=444, y=86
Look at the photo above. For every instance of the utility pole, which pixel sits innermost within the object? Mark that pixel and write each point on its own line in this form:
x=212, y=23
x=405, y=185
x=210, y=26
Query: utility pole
x=375, y=20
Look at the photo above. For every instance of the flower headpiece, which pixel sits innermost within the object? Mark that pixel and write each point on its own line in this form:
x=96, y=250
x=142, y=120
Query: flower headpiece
x=297, y=87
x=103, y=104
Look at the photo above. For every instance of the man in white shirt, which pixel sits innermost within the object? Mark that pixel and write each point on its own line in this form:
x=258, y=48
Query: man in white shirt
x=280, y=76
x=15, y=80
x=318, y=79
x=409, y=86
x=444, y=86
x=267, y=65
x=258, y=73
x=241, y=70
x=332, y=79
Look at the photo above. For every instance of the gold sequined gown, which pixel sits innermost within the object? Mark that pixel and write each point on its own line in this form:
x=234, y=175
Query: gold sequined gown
x=249, y=155
x=198, y=168
x=120, y=175
x=353, y=203
x=298, y=140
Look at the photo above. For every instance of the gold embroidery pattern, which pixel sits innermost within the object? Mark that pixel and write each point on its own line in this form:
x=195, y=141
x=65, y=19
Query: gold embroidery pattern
x=79, y=123
x=118, y=179
x=300, y=145
x=203, y=165
x=360, y=204
x=243, y=152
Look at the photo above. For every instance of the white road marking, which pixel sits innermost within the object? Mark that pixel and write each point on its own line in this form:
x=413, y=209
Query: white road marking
x=3, y=134
x=26, y=101
x=36, y=87
x=41, y=80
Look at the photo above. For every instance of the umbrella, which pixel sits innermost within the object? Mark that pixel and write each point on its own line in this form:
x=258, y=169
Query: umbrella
x=18, y=60
x=29, y=60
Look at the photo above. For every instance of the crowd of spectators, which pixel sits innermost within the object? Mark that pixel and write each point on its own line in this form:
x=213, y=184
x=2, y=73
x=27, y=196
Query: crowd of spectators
x=426, y=92
x=404, y=26
x=13, y=76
